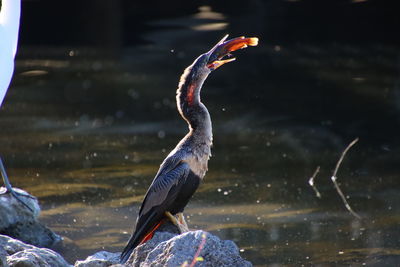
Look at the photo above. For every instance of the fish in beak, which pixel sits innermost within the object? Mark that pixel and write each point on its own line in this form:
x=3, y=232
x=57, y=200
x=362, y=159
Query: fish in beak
x=220, y=54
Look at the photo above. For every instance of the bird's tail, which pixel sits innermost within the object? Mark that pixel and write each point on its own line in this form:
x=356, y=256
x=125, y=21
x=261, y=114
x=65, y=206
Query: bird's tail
x=139, y=237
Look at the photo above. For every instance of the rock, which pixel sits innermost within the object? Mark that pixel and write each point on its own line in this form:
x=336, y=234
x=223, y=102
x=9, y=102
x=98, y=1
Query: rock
x=99, y=259
x=167, y=249
x=37, y=257
x=21, y=223
x=140, y=253
x=12, y=211
x=18, y=254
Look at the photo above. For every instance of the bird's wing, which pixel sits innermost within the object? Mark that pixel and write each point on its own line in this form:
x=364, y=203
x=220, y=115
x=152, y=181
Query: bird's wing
x=161, y=194
x=172, y=170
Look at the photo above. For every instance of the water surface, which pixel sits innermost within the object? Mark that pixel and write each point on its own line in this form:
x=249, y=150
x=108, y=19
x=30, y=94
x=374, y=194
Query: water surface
x=86, y=135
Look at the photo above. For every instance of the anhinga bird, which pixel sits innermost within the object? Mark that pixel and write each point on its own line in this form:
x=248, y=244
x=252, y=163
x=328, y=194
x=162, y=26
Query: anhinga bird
x=182, y=171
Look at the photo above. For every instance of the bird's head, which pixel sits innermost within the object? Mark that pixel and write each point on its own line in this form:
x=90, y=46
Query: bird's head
x=194, y=76
x=221, y=53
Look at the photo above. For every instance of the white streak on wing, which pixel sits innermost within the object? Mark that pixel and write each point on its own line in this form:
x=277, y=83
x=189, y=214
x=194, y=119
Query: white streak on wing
x=198, y=164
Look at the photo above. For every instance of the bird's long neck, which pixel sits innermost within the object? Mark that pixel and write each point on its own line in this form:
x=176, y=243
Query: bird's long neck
x=191, y=108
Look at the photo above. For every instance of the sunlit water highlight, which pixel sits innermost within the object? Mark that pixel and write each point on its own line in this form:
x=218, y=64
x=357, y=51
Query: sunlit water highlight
x=86, y=136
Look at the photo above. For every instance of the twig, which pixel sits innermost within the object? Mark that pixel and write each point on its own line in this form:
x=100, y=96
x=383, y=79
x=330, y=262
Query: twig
x=196, y=257
x=334, y=178
x=312, y=184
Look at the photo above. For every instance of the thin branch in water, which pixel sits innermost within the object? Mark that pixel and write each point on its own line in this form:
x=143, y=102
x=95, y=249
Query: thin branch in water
x=334, y=180
x=196, y=257
x=311, y=182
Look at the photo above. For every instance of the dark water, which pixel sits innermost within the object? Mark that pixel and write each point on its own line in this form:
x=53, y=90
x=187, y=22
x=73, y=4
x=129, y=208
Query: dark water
x=86, y=135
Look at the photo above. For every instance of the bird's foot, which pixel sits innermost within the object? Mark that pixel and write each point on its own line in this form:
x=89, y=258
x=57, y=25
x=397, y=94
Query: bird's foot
x=17, y=196
x=9, y=190
x=182, y=226
x=182, y=221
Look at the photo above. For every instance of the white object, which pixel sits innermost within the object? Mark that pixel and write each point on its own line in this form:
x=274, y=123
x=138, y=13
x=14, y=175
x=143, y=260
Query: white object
x=9, y=27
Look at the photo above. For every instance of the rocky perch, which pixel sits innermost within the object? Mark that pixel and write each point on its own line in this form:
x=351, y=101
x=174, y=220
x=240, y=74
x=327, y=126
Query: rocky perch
x=16, y=253
x=20, y=222
x=195, y=248
x=166, y=248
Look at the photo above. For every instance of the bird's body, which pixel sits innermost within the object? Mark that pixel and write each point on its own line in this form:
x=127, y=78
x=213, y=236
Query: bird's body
x=184, y=168
x=9, y=27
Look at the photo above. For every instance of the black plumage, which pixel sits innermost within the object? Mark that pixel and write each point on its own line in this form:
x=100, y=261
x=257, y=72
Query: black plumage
x=182, y=171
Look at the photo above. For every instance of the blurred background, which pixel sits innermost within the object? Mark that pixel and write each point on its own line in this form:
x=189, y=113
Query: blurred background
x=91, y=114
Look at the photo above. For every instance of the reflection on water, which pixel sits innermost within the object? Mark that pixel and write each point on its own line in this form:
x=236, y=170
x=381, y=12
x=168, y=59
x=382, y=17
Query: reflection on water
x=86, y=136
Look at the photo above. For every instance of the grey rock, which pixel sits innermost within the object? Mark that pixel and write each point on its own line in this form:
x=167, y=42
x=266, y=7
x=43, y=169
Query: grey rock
x=21, y=223
x=100, y=259
x=167, y=249
x=3, y=257
x=141, y=252
x=12, y=211
x=19, y=254
x=32, y=232
x=37, y=257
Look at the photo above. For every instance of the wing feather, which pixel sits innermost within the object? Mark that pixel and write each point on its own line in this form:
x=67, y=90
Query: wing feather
x=160, y=195
x=170, y=173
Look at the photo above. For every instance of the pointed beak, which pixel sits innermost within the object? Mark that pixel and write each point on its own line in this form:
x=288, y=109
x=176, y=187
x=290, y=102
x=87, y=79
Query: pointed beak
x=220, y=53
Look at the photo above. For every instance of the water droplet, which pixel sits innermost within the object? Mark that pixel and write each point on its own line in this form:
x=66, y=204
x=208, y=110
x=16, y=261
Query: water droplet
x=161, y=134
x=96, y=66
x=119, y=114
x=86, y=84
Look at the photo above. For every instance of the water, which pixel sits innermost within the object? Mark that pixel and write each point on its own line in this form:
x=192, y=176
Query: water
x=86, y=134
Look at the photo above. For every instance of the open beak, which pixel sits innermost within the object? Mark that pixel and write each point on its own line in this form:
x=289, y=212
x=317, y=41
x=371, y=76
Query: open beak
x=220, y=53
